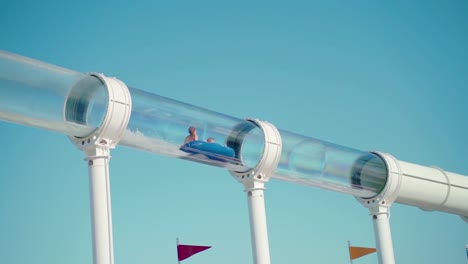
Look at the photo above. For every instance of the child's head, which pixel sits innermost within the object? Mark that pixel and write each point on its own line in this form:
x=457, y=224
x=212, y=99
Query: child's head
x=192, y=130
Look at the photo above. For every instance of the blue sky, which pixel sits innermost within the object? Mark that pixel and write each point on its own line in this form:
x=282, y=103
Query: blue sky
x=371, y=75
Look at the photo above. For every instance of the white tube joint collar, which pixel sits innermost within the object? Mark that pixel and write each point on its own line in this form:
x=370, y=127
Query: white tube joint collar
x=119, y=108
x=392, y=187
x=255, y=177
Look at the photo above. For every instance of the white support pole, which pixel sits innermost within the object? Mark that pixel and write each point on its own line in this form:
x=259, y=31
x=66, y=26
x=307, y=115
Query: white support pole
x=254, y=183
x=258, y=222
x=97, y=148
x=379, y=207
x=382, y=233
x=101, y=215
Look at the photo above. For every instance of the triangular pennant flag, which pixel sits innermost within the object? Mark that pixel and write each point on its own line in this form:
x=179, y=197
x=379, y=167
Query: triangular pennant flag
x=186, y=251
x=357, y=252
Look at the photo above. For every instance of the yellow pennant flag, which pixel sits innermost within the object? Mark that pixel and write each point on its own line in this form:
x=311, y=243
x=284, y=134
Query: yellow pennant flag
x=357, y=252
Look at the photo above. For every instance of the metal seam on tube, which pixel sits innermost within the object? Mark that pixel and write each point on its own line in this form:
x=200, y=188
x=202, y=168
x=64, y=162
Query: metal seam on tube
x=449, y=187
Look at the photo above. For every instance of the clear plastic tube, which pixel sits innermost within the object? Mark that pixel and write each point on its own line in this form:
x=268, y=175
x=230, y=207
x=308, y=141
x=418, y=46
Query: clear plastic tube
x=326, y=165
x=162, y=125
x=37, y=94
x=34, y=93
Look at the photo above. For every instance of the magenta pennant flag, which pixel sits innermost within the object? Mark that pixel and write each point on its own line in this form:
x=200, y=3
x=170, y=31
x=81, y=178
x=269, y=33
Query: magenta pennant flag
x=186, y=251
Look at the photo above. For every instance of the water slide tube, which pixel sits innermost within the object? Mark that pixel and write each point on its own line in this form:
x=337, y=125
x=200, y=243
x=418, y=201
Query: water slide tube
x=37, y=94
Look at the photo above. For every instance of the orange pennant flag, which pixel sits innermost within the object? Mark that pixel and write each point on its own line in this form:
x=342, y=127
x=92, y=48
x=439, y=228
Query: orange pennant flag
x=357, y=252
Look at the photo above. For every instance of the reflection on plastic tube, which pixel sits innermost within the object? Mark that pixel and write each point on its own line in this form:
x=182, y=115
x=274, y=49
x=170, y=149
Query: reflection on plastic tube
x=33, y=93
x=86, y=102
x=318, y=163
x=160, y=125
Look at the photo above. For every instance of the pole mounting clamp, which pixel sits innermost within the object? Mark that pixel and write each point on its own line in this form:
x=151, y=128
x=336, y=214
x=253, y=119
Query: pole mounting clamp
x=392, y=187
x=117, y=114
x=269, y=160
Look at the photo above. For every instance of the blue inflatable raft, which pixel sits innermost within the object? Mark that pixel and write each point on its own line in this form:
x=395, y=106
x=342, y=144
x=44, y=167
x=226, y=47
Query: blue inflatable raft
x=213, y=151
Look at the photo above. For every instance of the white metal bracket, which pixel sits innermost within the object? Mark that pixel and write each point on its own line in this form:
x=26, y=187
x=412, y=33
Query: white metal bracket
x=96, y=147
x=392, y=187
x=119, y=108
x=379, y=208
x=254, y=180
x=270, y=156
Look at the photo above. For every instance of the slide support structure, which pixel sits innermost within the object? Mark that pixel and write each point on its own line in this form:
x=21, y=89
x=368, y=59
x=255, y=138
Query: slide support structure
x=97, y=148
x=383, y=236
x=379, y=208
x=254, y=185
x=429, y=188
x=258, y=222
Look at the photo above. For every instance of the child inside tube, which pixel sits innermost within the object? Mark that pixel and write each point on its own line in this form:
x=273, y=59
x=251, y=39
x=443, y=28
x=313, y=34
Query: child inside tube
x=192, y=135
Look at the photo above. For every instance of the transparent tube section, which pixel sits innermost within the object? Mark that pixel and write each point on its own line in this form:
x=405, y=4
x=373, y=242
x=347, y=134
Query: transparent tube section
x=314, y=162
x=37, y=94
x=168, y=127
x=34, y=93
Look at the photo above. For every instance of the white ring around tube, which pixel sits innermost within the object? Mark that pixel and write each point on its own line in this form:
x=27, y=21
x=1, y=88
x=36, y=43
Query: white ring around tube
x=119, y=108
x=270, y=157
x=447, y=196
x=392, y=187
